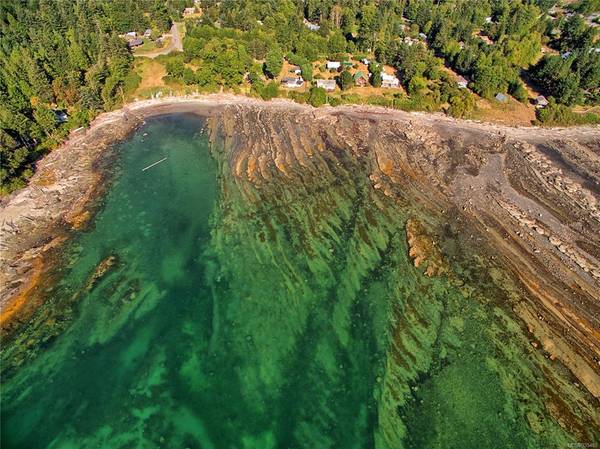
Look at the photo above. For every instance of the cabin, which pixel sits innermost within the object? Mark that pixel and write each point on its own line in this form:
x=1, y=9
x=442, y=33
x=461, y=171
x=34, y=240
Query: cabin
x=131, y=34
x=292, y=82
x=389, y=81
x=501, y=98
x=311, y=26
x=360, y=79
x=541, y=102
x=462, y=82
x=333, y=65
x=60, y=116
x=328, y=85
x=135, y=43
x=410, y=41
x=295, y=70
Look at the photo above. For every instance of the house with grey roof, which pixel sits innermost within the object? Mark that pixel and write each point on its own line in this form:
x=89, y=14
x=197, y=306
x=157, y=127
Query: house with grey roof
x=328, y=85
x=292, y=82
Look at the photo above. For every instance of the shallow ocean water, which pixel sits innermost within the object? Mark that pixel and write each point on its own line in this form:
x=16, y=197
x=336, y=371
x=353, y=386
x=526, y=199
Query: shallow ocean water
x=283, y=317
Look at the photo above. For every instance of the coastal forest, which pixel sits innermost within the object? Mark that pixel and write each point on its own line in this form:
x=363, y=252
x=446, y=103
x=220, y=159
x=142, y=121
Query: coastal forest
x=63, y=62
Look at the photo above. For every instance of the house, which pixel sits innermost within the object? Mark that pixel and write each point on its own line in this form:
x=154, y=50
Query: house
x=389, y=81
x=147, y=33
x=131, y=34
x=311, y=26
x=365, y=61
x=488, y=20
x=292, y=82
x=541, y=102
x=60, y=116
x=328, y=85
x=566, y=54
x=462, y=82
x=295, y=70
x=501, y=98
x=189, y=11
x=135, y=43
x=410, y=41
x=423, y=36
x=360, y=79
x=333, y=65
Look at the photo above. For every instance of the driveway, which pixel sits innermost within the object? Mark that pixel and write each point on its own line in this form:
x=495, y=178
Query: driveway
x=175, y=44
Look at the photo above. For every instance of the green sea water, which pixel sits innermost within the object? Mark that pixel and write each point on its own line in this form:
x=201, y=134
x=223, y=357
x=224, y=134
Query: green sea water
x=282, y=316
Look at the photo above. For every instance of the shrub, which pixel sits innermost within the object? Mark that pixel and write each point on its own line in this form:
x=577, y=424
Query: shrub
x=346, y=80
x=461, y=103
x=335, y=101
x=317, y=96
x=298, y=97
x=307, y=72
x=517, y=90
x=268, y=91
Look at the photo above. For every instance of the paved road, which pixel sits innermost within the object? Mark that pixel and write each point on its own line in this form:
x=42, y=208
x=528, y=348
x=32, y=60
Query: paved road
x=175, y=44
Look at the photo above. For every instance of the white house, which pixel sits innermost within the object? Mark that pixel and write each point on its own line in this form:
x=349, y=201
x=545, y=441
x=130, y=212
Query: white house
x=328, y=85
x=488, y=20
x=292, y=83
x=333, y=65
x=501, y=98
x=389, y=81
x=311, y=26
x=541, y=102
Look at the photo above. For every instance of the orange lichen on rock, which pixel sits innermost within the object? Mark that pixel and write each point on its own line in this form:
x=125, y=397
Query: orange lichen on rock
x=251, y=167
x=18, y=302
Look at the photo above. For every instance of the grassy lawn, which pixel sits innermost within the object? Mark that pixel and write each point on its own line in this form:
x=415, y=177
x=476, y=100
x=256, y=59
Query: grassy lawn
x=148, y=45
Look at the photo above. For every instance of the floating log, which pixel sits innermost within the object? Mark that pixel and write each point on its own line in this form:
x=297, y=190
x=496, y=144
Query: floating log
x=152, y=165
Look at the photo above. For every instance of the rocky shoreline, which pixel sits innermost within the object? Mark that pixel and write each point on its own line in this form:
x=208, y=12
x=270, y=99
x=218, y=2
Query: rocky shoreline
x=526, y=198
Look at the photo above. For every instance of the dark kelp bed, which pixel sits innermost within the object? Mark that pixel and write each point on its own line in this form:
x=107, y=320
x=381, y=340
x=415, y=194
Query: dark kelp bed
x=275, y=303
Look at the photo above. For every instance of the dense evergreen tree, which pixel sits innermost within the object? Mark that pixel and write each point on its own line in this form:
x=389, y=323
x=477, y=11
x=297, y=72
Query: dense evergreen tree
x=61, y=55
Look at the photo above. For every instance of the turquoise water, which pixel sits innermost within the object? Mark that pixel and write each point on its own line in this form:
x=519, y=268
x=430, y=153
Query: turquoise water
x=286, y=316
